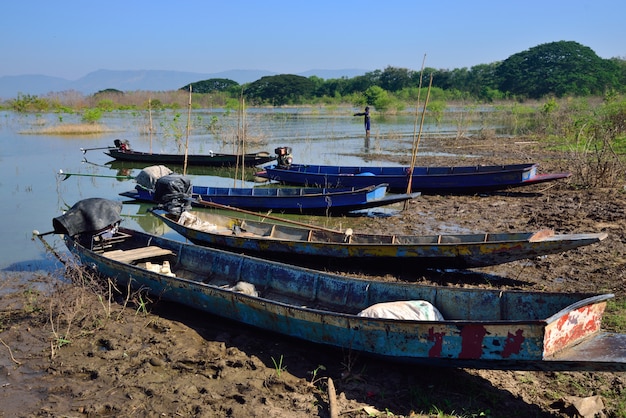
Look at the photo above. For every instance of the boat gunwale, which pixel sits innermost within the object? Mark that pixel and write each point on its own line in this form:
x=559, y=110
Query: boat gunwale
x=586, y=298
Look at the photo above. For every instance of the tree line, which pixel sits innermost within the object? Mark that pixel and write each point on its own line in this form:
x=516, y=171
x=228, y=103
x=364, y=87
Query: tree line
x=556, y=69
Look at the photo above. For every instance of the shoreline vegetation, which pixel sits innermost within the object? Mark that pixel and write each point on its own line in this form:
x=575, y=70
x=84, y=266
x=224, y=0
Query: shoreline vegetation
x=589, y=131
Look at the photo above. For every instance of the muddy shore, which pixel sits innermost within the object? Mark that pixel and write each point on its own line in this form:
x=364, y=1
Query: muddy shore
x=172, y=361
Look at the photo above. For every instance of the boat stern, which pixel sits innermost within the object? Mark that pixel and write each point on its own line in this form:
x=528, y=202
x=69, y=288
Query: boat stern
x=574, y=324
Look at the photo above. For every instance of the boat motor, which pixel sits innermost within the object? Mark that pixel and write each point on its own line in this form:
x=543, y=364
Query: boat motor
x=284, y=157
x=122, y=145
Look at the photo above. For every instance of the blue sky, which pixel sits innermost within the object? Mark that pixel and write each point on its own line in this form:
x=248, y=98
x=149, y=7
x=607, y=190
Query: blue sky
x=70, y=39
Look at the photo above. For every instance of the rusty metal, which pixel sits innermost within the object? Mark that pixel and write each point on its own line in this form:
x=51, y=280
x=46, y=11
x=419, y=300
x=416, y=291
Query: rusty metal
x=482, y=328
x=272, y=239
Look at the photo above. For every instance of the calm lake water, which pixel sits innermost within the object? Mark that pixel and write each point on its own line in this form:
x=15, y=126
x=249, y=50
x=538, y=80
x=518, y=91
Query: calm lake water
x=33, y=192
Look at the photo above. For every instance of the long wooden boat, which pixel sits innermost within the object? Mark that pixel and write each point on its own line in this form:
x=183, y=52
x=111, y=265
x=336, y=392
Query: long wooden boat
x=122, y=152
x=301, y=200
x=433, y=180
x=297, y=243
x=398, y=321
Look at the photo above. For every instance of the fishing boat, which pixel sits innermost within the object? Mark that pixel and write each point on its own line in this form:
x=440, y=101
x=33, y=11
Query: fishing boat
x=123, y=152
x=301, y=200
x=398, y=321
x=427, y=180
x=300, y=243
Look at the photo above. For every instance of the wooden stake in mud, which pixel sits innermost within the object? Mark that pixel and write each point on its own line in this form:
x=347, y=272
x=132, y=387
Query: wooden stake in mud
x=150, y=127
x=188, y=128
x=240, y=141
x=332, y=400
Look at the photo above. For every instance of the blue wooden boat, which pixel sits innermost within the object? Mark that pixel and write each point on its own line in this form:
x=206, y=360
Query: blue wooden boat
x=309, y=244
x=123, y=152
x=427, y=180
x=301, y=200
x=455, y=327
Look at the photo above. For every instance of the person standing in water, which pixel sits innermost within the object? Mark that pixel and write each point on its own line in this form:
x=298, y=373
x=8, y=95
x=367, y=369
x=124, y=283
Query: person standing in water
x=366, y=119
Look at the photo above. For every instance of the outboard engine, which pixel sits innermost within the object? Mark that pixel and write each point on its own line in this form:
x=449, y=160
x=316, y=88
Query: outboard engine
x=122, y=145
x=173, y=193
x=284, y=157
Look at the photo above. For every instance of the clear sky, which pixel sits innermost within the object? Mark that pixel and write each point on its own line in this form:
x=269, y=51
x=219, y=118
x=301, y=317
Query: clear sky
x=72, y=38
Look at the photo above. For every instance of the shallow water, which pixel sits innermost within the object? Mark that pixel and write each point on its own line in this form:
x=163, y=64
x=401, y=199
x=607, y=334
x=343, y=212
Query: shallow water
x=34, y=192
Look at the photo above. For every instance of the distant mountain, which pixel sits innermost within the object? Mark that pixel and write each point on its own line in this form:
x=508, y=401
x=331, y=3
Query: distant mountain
x=149, y=80
x=11, y=85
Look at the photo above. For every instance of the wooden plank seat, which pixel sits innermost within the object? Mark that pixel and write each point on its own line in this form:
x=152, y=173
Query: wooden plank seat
x=128, y=256
x=105, y=240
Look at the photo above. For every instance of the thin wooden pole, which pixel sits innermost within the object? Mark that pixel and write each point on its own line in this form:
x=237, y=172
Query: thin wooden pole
x=237, y=140
x=333, y=410
x=243, y=138
x=414, y=145
x=419, y=136
x=419, y=91
x=274, y=218
x=188, y=128
x=151, y=126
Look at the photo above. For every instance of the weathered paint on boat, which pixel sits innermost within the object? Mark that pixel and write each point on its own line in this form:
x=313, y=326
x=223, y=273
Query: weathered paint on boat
x=271, y=239
x=434, y=180
x=483, y=328
x=303, y=200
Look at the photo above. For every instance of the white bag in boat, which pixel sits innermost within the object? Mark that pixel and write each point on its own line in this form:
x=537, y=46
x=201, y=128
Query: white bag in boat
x=412, y=310
x=148, y=177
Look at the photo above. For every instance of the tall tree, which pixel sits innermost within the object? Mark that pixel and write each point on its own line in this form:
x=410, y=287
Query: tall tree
x=280, y=89
x=211, y=85
x=395, y=79
x=557, y=68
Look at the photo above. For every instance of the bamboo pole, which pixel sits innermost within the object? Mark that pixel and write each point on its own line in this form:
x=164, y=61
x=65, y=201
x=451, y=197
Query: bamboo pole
x=419, y=91
x=188, y=128
x=268, y=216
x=243, y=138
x=239, y=138
x=419, y=136
x=150, y=117
x=414, y=145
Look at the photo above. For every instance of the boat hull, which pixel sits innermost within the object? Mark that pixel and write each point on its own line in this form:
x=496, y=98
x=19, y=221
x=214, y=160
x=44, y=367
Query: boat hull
x=209, y=160
x=427, y=180
x=299, y=244
x=323, y=201
x=483, y=328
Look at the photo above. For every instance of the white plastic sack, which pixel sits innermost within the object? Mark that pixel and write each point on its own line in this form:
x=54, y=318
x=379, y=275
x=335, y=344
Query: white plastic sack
x=412, y=310
x=148, y=177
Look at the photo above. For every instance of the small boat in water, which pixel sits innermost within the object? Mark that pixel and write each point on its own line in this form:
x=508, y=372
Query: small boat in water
x=398, y=321
x=123, y=152
x=297, y=242
x=427, y=180
x=300, y=200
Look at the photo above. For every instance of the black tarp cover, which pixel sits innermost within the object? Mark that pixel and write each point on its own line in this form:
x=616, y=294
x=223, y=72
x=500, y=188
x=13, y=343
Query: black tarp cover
x=88, y=215
x=173, y=193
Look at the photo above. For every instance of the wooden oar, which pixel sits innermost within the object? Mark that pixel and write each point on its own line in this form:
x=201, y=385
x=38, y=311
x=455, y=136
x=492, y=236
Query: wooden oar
x=84, y=150
x=68, y=175
x=275, y=218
